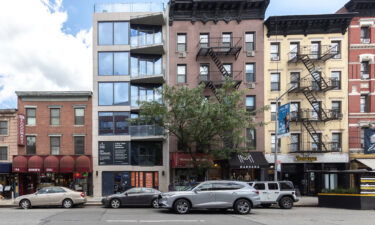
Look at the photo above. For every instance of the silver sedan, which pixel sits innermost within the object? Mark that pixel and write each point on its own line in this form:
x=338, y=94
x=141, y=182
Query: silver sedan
x=52, y=196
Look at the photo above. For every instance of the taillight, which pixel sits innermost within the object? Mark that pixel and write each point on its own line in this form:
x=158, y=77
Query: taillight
x=82, y=194
x=257, y=192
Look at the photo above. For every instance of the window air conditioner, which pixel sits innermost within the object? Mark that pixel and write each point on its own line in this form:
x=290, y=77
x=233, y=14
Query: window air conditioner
x=182, y=54
x=250, y=53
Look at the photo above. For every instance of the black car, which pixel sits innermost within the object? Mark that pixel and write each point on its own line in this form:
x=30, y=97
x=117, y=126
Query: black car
x=133, y=197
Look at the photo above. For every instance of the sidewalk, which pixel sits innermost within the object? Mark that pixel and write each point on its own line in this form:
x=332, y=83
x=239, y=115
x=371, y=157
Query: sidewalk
x=307, y=201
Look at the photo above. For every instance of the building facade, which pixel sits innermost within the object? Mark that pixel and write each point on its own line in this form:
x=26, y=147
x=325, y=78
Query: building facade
x=129, y=46
x=8, y=147
x=54, y=141
x=306, y=66
x=209, y=41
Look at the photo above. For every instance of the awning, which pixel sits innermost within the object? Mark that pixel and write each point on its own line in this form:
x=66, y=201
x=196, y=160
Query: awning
x=368, y=162
x=51, y=164
x=251, y=160
x=5, y=167
x=19, y=164
x=83, y=164
x=35, y=164
x=66, y=164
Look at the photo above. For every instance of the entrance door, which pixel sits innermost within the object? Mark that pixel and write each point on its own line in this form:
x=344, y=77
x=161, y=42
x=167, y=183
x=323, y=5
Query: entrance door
x=107, y=183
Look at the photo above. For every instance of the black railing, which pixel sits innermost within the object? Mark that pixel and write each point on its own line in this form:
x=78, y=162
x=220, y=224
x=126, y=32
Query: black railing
x=323, y=52
x=220, y=45
x=312, y=115
x=312, y=147
x=217, y=76
x=324, y=84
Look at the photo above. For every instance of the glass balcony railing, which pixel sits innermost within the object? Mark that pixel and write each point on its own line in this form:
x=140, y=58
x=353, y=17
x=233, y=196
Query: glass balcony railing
x=128, y=7
x=140, y=39
x=146, y=130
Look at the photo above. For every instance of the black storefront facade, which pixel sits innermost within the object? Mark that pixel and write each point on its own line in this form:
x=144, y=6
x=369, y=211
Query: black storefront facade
x=250, y=166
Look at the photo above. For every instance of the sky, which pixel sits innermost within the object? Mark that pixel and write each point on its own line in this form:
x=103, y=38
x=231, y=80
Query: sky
x=45, y=45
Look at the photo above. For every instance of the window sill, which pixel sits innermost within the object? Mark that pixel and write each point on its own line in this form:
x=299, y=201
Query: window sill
x=30, y=125
x=78, y=125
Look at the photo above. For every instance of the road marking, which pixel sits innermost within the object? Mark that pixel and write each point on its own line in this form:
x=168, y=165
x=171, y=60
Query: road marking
x=155, y=221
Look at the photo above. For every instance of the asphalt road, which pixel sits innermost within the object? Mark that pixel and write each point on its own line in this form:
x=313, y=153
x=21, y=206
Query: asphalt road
x=139, y=216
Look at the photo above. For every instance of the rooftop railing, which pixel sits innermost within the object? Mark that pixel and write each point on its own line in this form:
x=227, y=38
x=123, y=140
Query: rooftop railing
x=128, y=7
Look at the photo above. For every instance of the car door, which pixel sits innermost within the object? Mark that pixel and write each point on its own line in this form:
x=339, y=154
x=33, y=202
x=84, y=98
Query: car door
x=204, y=196
x=263, y=193
x=42, y=197
x=273, y=191
x=225, y=193
x=57, y=195
x=132, y=196
x=146, y=197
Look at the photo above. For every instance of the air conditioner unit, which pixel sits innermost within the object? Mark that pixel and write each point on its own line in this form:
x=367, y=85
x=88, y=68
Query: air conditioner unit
x=250, y=53
x=275, y=58
x=365, y=76
x=251, y=85
x=365, y=41
x=182, y=55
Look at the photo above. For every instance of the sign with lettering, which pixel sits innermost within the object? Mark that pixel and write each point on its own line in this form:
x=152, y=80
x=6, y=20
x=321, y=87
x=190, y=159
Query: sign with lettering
x=21, y=129
x=369, y=141
x=306, y=158
x=114, y=153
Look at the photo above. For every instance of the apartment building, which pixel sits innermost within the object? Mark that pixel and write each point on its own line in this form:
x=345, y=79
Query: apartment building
x=129, y=58
x=305, y=64
x=54, y=141
x=209, y=41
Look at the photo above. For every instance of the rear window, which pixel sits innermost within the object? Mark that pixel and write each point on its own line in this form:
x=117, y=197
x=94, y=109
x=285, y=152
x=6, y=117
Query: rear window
x=286, y=186
x=272, y=186
x=260, y=186
x=227, y=186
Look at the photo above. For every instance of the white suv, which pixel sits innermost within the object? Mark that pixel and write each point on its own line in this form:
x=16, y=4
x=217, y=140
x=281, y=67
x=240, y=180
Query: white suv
x=271, y=192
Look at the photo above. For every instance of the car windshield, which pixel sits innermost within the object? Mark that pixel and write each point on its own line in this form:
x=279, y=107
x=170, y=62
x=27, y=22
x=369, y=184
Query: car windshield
x=190, y=187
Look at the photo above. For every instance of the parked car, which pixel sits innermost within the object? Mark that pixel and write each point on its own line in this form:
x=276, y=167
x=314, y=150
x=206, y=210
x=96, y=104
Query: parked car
x=133, y=197
x=52, y=196
x=281, y=193
x=212, y=195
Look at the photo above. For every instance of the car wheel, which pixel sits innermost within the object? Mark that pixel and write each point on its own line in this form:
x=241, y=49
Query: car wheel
x=181, y=206
x=286, y=203
x=266, y=205
x=67, y=203
x=155, y=203
x=242, y=206
x=25, y=204
x=115, y=203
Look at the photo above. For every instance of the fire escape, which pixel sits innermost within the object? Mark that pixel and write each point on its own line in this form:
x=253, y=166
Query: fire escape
x=215, y=48
x=310, y=86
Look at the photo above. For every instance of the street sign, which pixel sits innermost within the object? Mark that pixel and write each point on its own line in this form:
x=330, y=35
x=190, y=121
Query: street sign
x=283, y=120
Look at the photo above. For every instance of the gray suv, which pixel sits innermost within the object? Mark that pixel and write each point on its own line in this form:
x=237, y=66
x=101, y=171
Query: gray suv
x=223, y=195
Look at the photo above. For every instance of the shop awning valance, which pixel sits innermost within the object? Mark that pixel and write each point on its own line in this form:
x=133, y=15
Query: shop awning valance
x=67, y=164
x=370, y=163
x=5, y=167
x=51, y=164
x=251, y=160
x=83, y=164
x=35, y=164
x=19, y=164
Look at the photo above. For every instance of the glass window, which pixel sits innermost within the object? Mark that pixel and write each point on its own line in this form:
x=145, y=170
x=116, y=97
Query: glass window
x=121, y=93
x=294, y=111
x=181, y=73
x=105, y=93
x=295, y=79
x=364, y=103
x=275, y=51
x=31, y=117
x=286, y=186
x=106, y=123
x=55, y=116
x=3, y=153
x=121, y=63
x=294, y=50
x=121, y=123
x=226, y=39
x=105, y=33
x=55, y=145
x=203, y=40
x=79, y=145
x=250, y=72
x=205, y=187
x=315, y=50
x=146, y=153
x=275, y=81
x=113, y=123
x=181, y=42
x=110, y=33
x=3, y=127
x=250, y=103
x=204, y=72
x=250, y=138
x=228, y=68
x=336, y=142
x=273, y=111
x=316, y=142
x=365, y=70
x=114, y=93
x=121, y=33
x=30, y=145
x=294, y=142
x=336, y=79
x=366, y=35
x=105, y=63
x=273, y=186
x=79, y=116
x=336, y=109
x=273, y=143
x=113, y=63
x=260, y=186
x=336, y=49
x=250, y=41
x=145, y=65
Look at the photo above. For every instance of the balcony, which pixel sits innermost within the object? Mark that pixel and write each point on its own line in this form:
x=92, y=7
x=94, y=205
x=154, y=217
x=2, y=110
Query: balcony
x=220, y=46
x=146, y=40
x=313, y=116
x=150, y=78
x=322, y=53
x=326, y=84
x=139, y=132
x=155, y=18
x=128, y=7
x=217, y=78
x=312, y=147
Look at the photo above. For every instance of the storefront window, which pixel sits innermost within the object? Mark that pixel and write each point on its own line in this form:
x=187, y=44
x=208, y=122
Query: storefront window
x=146, y=153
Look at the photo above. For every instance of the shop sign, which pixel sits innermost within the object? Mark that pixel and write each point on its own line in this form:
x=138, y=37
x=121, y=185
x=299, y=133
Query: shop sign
x=369, y=141
x=37, y=170
x=184, y=160
x=114, y=153
x=21, y=129
x=306, y=158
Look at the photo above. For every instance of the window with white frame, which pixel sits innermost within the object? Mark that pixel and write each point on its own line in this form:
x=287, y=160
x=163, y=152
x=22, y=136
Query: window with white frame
x=181, y=73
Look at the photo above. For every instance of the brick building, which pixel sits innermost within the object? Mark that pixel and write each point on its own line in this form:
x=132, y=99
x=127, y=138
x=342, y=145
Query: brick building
x=54, y=142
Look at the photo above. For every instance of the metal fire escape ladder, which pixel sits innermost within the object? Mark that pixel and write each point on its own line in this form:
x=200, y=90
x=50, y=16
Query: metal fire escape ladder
x=218, y=63
x=311, y=68
x=311, y=130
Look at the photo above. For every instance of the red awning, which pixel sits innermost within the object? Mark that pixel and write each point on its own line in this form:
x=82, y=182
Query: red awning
x=19, y=164
x=35, y=164
x=83, y=164
x=67, y=164
x=184, y=160
x=51, y=164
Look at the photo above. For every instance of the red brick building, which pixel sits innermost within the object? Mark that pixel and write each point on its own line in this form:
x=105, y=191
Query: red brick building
x=361, y=83
x=54, y=141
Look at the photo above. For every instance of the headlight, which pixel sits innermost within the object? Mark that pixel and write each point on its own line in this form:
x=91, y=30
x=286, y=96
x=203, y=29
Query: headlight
x=167, y=195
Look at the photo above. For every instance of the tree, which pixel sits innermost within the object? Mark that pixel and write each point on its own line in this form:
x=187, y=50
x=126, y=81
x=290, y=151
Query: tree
x=215, y=126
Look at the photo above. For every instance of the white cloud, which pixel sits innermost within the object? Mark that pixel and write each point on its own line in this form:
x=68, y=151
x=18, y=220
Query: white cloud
x=36, y=55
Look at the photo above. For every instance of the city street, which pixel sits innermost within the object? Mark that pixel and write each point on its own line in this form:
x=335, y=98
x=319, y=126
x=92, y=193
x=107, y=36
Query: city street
x=95, y=215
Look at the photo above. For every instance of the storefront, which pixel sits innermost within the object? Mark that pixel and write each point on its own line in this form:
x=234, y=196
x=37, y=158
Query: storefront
x=35, y=172
x=251, y=166
x=6, y=179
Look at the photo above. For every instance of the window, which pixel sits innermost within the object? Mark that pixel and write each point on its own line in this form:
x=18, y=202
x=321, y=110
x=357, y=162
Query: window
x=273, y=143
x=251, y=138
x=250, y=72
x=294, y=50
x=113, y=63
x=336, y=79
x=294, y=79
x=204, y=40
x=181, y=43
x=113, y=93
x=55, y=117
x=113, y=123
x=336, y=142
x=260, y=186
x=113, y=33
x=145, y=93
x=3, y=127
x=79, y=116
x=273, y=186
x=31, y=117
x=3, y=153
x=226, y=39
x=181, y=73
x=316, y=142
x=366, y=35
x=273, y=111
x=336, y=49
x=30, y=145
x=336, y=109
x=250, y=103
x=286, y=186
x=364, y=104
x=294, y=111
x=55, y=145
x=205, y=187
x=142, y=65
x=204, y=72
x=79, y=145
x=228, y=68
x=275, y=81
x=141, y=35
x=365, y=70
x=275, y=51
x=249, y=41
x=315, y=50
x=147, y=153
x=295, y=142
x=226, y=186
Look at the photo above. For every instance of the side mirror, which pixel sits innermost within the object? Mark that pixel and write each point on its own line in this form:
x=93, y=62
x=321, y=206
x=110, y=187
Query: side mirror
x=126, y=193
